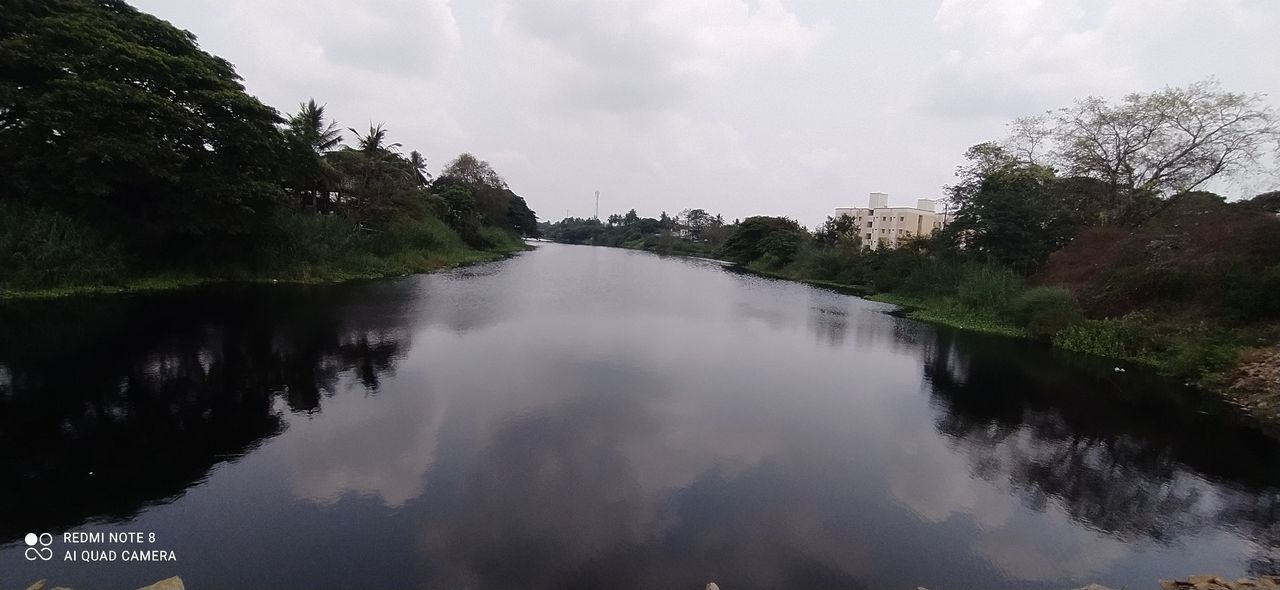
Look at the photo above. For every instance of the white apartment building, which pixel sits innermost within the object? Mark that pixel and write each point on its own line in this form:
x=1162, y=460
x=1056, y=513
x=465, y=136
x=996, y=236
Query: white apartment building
x=882, y=226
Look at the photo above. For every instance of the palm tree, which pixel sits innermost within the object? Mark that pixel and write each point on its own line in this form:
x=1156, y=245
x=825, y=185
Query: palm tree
x=419, y=165
x=309, y=125
x=376, y=174
x=312, y=137
x=373, y=143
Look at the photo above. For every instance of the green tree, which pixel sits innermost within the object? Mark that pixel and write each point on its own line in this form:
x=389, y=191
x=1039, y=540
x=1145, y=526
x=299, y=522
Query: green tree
x=485, y=184
x=666, y=222
x=697, y=220
x=495, y=203
x=757, y=236
x=521, y=218
x=839, y=231
x=1009, y=211
x=116, y=116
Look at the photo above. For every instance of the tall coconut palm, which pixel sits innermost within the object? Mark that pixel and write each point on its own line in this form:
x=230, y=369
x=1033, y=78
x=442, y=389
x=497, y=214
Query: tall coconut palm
x=375, y=175
x=374, y=143
x=419, y=165
x=311, y=137
x=309, y=125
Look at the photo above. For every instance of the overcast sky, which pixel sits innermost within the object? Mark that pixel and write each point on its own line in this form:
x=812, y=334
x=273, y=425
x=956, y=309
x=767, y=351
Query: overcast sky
x=739, y=107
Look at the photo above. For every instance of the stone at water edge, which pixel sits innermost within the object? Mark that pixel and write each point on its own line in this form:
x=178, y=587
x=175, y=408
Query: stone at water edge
x=174, y=583
x=712, y=586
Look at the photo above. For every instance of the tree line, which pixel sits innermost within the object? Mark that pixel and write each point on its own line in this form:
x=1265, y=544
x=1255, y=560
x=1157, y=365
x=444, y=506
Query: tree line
x=125, y=148
x=693, y=232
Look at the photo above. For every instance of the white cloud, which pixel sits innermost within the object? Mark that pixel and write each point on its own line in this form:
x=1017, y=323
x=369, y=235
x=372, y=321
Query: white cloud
x=823, y=157
x=637, y=56
x=741, y=107
x=1009, y=57
x=722, y=34
x=406, y=446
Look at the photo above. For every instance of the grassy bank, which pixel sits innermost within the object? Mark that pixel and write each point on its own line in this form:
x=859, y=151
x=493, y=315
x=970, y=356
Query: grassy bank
x=950, y=314
x=988, y=298
x=305, y=249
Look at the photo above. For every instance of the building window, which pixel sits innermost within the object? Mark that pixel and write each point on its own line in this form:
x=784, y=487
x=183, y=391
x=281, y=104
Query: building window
x=868, y=235
x=868, y=224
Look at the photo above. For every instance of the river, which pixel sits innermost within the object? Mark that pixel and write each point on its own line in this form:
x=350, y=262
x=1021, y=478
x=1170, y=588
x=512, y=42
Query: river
x=579, y=417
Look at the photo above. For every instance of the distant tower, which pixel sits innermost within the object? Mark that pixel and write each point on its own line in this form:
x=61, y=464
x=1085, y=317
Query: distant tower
x=597, y=205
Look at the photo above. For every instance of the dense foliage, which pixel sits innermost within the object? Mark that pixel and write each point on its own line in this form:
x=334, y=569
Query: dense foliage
x=126, y=152
x=692, y=232
x=115, y=116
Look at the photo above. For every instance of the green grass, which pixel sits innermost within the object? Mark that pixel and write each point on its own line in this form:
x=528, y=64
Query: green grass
x=949, y=313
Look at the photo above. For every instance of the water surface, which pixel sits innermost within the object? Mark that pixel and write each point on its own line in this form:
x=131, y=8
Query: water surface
x=581, y=417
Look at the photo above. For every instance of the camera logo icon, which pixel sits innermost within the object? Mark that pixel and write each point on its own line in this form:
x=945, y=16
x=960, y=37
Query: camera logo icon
x=38, y=547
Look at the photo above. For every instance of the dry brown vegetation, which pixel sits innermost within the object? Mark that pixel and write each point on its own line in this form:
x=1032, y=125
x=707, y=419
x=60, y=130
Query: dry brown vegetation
x=1198, y=259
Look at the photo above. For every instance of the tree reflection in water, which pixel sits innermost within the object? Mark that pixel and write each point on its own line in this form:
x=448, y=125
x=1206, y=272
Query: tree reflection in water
x=104, y=413
x=1143, y=468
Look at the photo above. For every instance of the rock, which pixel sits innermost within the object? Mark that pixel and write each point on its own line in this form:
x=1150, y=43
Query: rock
x=174, y=583
x=1095, y=587
x=39, y=585
x=1201, y=579
x=712, y=586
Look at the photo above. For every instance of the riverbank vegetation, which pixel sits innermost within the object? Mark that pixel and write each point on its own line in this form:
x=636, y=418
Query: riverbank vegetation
x=692, y=232
x=1086, y=229
x=130, y=158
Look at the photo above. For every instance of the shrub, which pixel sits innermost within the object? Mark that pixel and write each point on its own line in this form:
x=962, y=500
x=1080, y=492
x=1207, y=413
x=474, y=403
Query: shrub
x=1126, y=337
x=1195, y=355
x=1045, y=311
x=1167, y=284
x=1251, y=296
x=40, y=247
x=932, y=278
x=988, y=288
x=888, y=268
x=313, y=240
x=835, y=264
